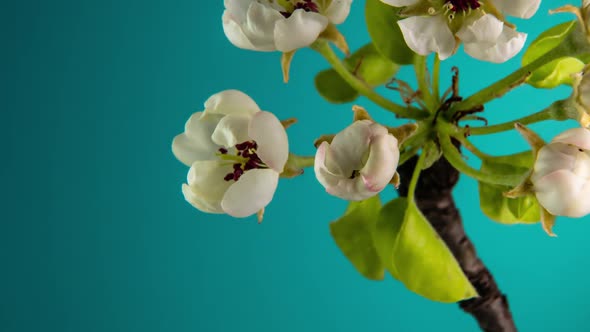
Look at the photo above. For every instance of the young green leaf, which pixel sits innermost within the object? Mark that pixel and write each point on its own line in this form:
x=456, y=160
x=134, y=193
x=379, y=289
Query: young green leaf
x=385, y=33
x=558, y=71
x=502, y=209
x=353, y=234
x=414, y=254
x=367, y=64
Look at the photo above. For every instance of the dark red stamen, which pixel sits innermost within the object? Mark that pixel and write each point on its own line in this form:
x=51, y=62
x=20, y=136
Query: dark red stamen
x=307, y=5
x=222, y=150
x=245, y=150
x=463, y=5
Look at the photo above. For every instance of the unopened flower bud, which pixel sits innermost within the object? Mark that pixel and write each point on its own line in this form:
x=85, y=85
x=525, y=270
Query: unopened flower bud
x=561, y=174
x=359, y=162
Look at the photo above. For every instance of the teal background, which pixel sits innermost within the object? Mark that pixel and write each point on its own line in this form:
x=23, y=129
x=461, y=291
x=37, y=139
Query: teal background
x=95, y=234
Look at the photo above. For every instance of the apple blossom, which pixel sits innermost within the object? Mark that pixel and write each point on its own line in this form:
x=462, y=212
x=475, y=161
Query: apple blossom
x=235, y=152
x=280, y=25
x=437, y=26
x=561, y=174
x=359, y=162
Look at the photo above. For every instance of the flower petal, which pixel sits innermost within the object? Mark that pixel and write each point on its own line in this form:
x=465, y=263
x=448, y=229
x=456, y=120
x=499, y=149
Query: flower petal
x=563, y=193
x=338, y=11
x=518, y=8
x=252, y=192
x=196, y=143
x=231, y=102
x=382, y=162
x=301, y=29
x=400, y=3
x=206, y=185
x=348, y=148
x=271, y=137
x=234, y=33
x=426, y=34
x=338, y=185
x=199, y=202
x=261, y=20
x=324, y=175
x=231, y=130
x=484, y=29
x=579, y=137
x=509, y=43
x=207, y=178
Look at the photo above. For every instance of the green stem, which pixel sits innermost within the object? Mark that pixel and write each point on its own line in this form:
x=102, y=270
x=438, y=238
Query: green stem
x=559, y=111
x=328, y=53
x=436, y=77
x=421, y=69
x=454, y=157
x=415, y=176
x=471, y=147
x=574, y=44
x=300, y=161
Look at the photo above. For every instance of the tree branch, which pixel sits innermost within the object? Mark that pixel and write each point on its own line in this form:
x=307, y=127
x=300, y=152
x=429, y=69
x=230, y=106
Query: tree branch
x=433, y=197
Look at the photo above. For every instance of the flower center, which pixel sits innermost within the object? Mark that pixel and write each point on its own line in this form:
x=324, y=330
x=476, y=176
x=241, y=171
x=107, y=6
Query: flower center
x=307, y=5
x=245, y=157
x=463, y=5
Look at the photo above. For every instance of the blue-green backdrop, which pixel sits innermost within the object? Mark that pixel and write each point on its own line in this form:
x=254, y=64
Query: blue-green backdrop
x=95, y=234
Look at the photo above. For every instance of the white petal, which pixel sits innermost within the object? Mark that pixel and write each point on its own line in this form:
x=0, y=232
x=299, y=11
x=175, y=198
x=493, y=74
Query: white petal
x=196, y=143
x=484, y=29
x=382, y=162
x=271, y=137
x=553, y=157
x=579, y=137
x=231, y=102
x=231, y=130
x=206, y=185
x=400, y=3
x=207, y=178
x=324, y=176
x=238, y=8
x=301, y=29
x=426, y=34
x=339, y=185
x=518, y=8
x=233, y=31
x=349, y=148
x=252, y=192
x=563, y=193
x=199, y=202
x=261, y=20
x=338, y=11
x=509, y=43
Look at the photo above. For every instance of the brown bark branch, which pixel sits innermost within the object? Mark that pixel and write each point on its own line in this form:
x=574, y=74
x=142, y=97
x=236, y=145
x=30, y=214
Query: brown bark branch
x=433, y=197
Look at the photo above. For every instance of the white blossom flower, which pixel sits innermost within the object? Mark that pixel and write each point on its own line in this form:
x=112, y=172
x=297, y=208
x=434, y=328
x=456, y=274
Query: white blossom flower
x=235, y=152
x=561, y=174
x=437, y=26
x=359, y=162
x=280, y=25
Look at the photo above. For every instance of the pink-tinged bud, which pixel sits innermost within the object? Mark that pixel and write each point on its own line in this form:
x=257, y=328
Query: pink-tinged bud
x=359, y=162
x=561, y=174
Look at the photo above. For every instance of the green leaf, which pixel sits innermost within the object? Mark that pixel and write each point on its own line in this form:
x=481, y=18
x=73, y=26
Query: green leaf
x=368, y=65
x=558, y=71
x=333, y=88
x=413, y=253
x=502, y=209
x=385, y=33
x=353, y=234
